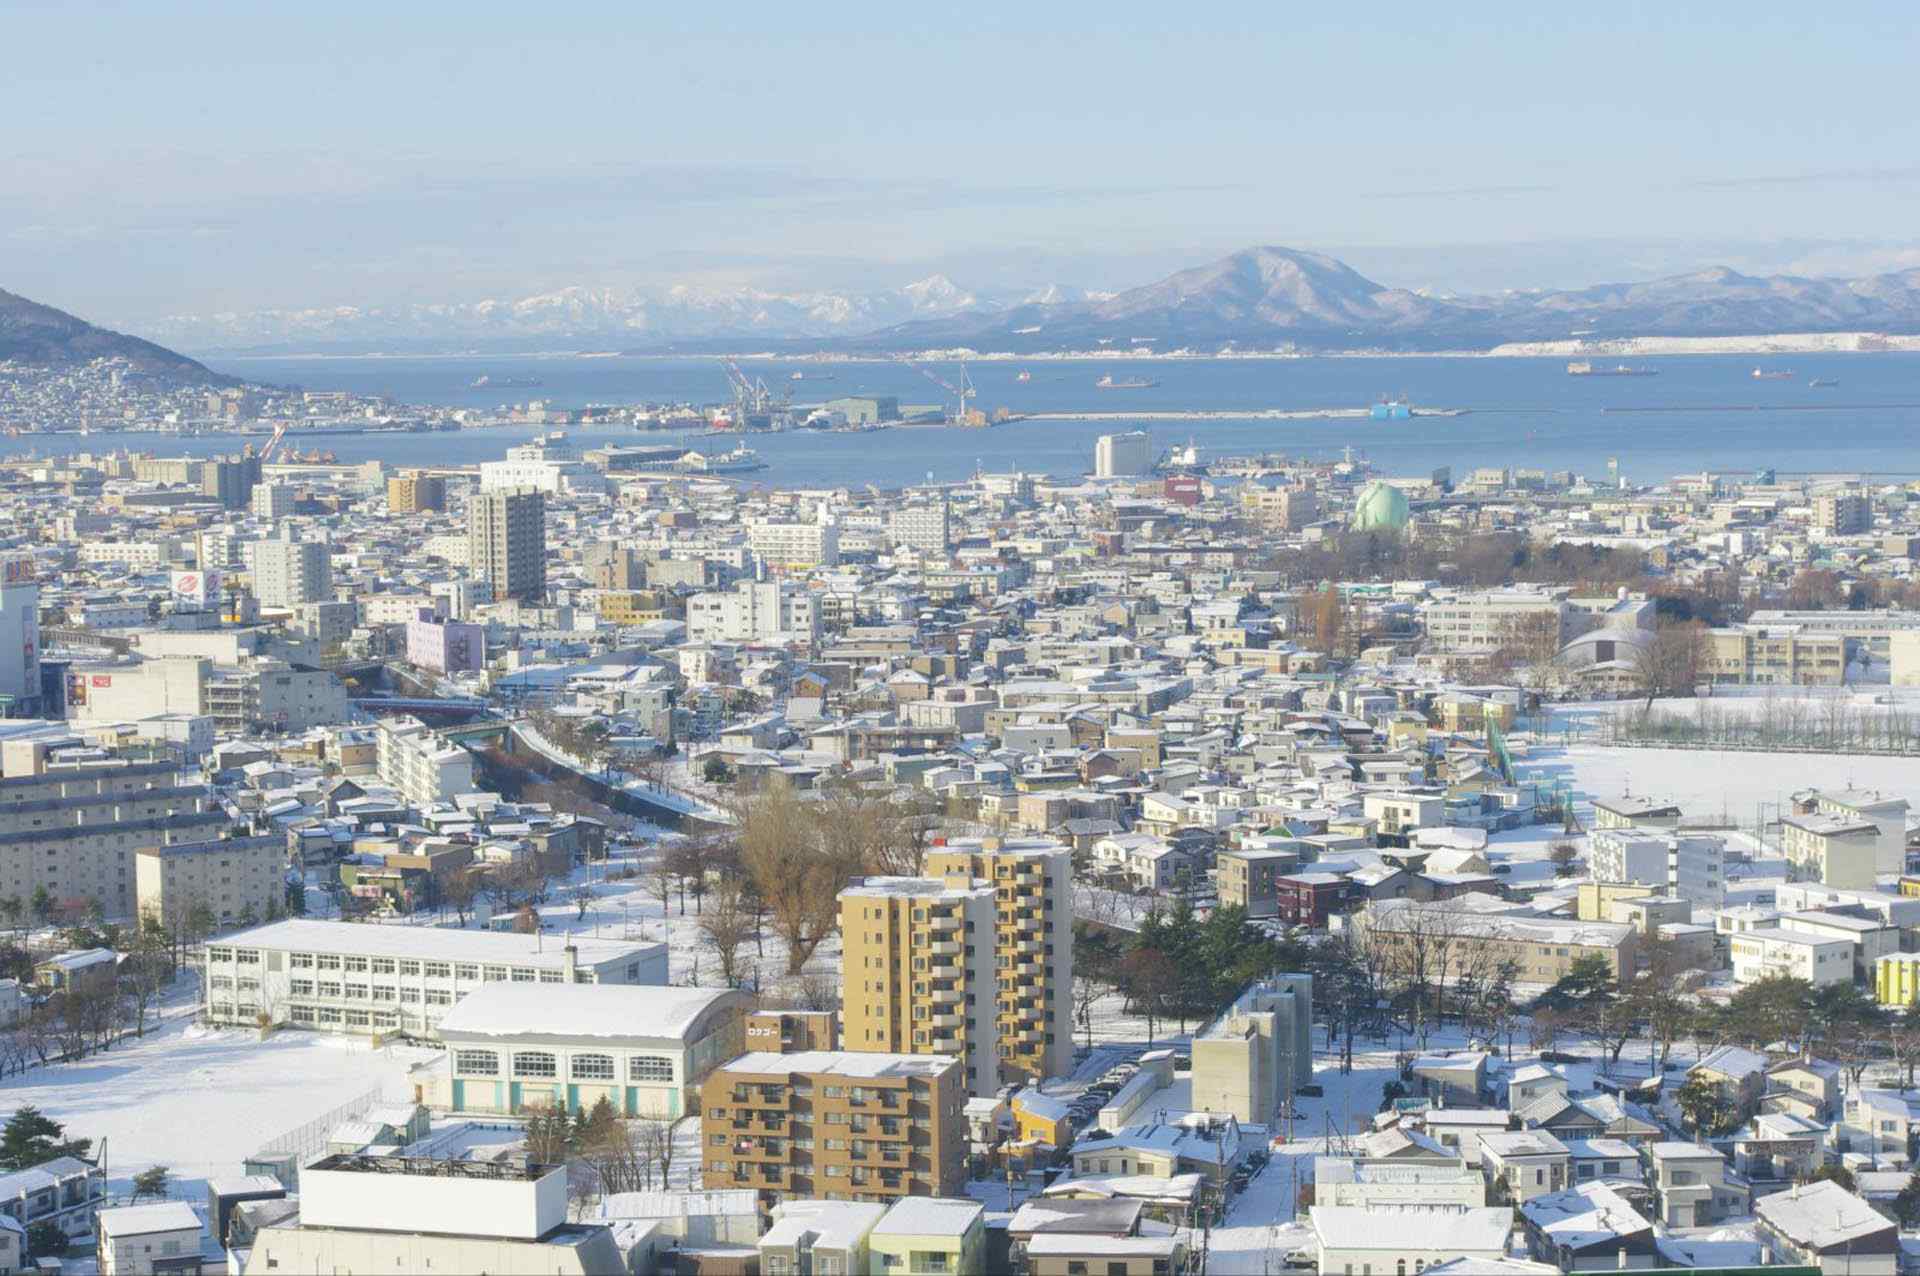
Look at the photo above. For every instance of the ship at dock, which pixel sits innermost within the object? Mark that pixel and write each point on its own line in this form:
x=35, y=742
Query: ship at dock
x=1582, y=368
x=1111, y=382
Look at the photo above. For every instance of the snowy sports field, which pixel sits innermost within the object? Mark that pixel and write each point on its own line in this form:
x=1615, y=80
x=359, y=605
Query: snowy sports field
x=199, y=1100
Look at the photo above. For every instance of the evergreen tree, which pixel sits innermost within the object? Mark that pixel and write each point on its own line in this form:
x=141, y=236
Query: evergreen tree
x=31, y=1137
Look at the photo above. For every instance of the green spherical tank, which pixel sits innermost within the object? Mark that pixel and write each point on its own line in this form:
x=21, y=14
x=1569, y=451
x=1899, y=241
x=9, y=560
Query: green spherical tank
x=1380, y=507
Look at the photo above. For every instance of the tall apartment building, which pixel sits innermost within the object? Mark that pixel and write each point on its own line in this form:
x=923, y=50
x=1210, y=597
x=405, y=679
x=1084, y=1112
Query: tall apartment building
x=751, y=610
x=1842, y=512
x=19, y=648
x=271, y=695
x=416, y=493
x=1033, y=944
x=424, y=768
x=240, y=880
x=926, y=528
x=273, y=501
x=287, y=573
x=917, y=976
x=1123, y=455
x=231, y=481
x=507, y=542
x=836, y=1126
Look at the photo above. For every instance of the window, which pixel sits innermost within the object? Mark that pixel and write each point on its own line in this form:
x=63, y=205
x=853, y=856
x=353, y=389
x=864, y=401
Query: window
x=383, y=965
x=301, y=1014
x=439, y=997
x=535, y=1063
x=649, y=1067
x=440, y=970
x=300, y=987
x=357, y=1019
x=462, y=972
x=591, y=1067
x=410, y=995
x=552, y=977
x=523, y=975
x=357, y=963
x=478, y=1062
x=329, y=1014
x=300, y=961
x=409, y=967
x=496, y=973
x=356, y=992
x=327, y=961
x=329, y=990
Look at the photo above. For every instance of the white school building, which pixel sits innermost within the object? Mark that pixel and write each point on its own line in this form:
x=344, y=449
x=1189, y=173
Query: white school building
x=361, y=978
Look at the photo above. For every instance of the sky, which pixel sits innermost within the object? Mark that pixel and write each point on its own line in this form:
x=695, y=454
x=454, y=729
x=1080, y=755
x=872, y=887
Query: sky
x=182, y=158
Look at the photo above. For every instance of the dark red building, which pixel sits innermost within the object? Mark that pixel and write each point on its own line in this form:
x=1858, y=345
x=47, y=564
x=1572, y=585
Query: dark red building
x=1308, y=899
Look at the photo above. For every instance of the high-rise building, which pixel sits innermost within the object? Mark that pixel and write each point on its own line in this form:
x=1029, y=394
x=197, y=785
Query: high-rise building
x=416, y=493
x=1033, y=944
x=918, y=974
x=287, y=573
x=922, y=527
x=19, y=643
x=507, y=542
x=1842, y=512
x=273, y=501
x=1122, y=455
x=230, y=480
x=835, y=1125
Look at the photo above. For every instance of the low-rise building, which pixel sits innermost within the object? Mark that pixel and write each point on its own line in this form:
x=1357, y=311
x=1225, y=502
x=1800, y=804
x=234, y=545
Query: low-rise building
x=1824, y=1225
x=149, y=1240
x=1775, y=950
x=1690, y=1185
x=343, y=977
x=645, y=1049
x=930, y=1234
x=1522, y=1164
x=366, y=1213
x=1352, y=1238
x=1250, y=1060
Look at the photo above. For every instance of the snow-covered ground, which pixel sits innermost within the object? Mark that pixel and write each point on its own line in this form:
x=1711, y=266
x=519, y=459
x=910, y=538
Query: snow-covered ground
x=200, y=1100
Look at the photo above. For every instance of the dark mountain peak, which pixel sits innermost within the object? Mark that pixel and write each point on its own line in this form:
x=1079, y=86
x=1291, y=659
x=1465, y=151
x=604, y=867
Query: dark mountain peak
x=42, y=336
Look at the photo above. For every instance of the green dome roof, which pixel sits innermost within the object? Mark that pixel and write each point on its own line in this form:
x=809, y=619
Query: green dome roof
x=1380, y=506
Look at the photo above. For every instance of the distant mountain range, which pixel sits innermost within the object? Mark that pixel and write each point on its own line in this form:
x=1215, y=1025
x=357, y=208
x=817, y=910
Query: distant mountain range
x=595, y=318
x=1264, y=296
x=1256, y=299
x=41, y=336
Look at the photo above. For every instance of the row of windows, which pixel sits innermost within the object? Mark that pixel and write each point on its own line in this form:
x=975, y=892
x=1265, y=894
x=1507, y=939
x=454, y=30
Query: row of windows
x=543, y=1065
x=390, y=966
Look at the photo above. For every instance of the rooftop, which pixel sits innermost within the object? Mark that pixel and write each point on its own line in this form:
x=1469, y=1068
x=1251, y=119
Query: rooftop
x=434, y=942
x=641, y=1012
x=858, y=1064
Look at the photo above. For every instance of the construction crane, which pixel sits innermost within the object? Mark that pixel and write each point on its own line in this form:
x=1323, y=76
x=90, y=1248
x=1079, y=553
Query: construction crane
x=961, y=393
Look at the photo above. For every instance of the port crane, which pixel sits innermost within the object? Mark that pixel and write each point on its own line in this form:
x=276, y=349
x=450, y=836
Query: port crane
x=272, y=444
x=961, y=393
x=751, y=397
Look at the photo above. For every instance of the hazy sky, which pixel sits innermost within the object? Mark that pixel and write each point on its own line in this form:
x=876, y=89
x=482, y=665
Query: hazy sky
x=166, y=158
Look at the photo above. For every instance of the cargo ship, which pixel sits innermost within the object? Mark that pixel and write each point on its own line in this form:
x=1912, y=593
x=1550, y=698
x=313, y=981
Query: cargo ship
x=1761, y=374
x=1582, y=368
x=486, y=382
x=1110, y=382
x=1822, y=383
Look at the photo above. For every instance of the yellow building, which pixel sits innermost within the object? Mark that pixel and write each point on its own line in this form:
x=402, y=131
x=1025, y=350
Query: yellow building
x=1773, y=655
x=1032, y=946
x=917, y=973
x=416, y=494
x=1041, y=1118
x=632, y=606
x=1896, y=979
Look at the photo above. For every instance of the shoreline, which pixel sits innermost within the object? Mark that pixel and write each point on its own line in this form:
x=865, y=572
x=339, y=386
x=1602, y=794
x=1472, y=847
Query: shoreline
x=1862, y=343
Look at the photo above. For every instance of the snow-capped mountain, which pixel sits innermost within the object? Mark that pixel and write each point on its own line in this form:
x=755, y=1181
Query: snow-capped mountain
x=579, y=317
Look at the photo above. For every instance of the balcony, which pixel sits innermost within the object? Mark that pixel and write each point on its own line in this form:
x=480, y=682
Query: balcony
x=944, y=948
x=947, y=996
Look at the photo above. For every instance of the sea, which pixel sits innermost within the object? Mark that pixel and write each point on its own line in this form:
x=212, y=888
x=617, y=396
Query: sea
x=1701, y=412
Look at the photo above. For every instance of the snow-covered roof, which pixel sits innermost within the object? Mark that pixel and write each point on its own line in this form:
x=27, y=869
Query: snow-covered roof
x=434, y=942
x=1438, y=1231
x=840, y=1063
x=833, y=1224
x=642, y=1012
x=1063, y=1244
x=142, y=1220
x=930, y=1216
x=1583, y=1216
x=1732, y=1061
x=1821, y=1215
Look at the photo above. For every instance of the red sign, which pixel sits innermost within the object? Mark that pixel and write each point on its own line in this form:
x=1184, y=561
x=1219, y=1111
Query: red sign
x=103, y=680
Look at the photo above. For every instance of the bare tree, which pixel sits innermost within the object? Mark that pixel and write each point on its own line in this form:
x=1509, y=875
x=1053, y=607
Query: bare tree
x=1671, y=661
x=798, y=876
x=728, y=922
x=457, y=888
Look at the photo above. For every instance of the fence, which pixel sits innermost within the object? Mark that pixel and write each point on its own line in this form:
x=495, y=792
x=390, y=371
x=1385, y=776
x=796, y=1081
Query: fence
x=303, y=1141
